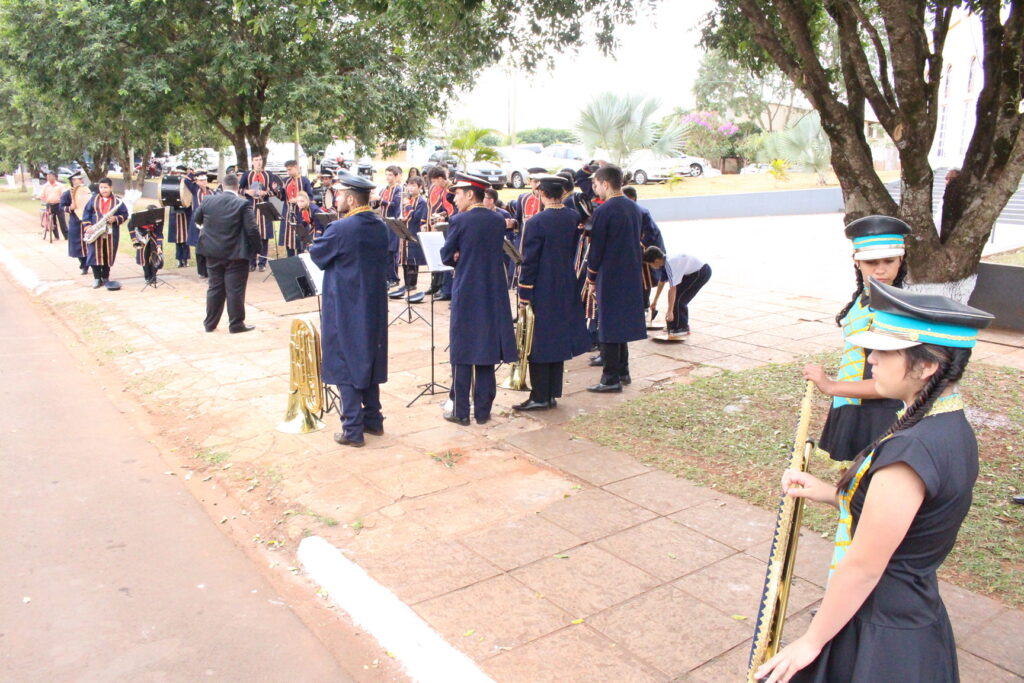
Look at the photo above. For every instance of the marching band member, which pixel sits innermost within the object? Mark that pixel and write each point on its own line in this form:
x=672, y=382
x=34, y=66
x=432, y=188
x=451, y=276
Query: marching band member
x=613, y=275
x=901, y=503
x=51, y=193
x=258, y=185
x=102, y=252
x=323, y=193
x=410, y=254
x=300, y=220
x=547, y=282
x=181, y=218
x=71, y=202
x=198, y=185
x=391, y=207
x=294, y=184
x=859, y=413
x=492, y=202
x=480, y=331
x=353, y=254
x=441, y=206
x=650, y=236
x=156, y=233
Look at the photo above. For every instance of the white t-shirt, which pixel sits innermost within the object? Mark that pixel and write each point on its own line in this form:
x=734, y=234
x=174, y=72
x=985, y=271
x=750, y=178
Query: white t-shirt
x=678, y=266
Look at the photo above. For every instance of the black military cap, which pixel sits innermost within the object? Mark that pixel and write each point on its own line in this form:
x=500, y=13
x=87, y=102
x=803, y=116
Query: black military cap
x=876, y=237
x=903, y=319
x=548, y=180
x=536, y=169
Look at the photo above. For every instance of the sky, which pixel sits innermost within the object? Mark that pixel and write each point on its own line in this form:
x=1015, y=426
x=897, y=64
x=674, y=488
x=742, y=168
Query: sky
x=657, y=57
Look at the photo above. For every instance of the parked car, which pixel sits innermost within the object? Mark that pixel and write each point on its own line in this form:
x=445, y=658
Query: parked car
x=339, y=154
x=280, y=152
x=487, y=169
x=439, y=157
x=644, y=167
x=572, y=156
x=517, y=162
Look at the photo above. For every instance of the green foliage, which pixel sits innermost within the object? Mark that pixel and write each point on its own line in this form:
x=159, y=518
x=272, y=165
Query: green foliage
x=622, y=125
x=547, y=136
x=468, y=144
x=804, y=147
x=710, y=135
x=779, y=168
x=726, y=85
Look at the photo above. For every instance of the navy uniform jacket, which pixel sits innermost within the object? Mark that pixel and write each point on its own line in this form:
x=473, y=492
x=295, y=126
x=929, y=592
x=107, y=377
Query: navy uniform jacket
x=74, y=226
x=480, y=332
x=198, y=195
x=273, y=185
x=614, y=264
x=353, y=253
x=415, y=216
x=547, y=280
x=103, y=252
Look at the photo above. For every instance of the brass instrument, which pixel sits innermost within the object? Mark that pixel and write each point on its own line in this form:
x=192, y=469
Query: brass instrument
x=80, y=195
x=306, y=394
x=524, y=344
x=772, y=614
x=102, y=226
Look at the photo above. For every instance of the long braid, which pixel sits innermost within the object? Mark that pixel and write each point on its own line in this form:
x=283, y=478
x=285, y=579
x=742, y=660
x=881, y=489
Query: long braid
x=856, y=294
x=952, y=362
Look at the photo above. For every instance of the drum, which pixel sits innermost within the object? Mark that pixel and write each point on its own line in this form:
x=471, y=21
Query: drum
x=170, y=191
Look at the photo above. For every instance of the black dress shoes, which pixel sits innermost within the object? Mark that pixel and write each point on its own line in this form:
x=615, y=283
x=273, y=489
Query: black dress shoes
x=97, y=283
x=243, y=328
x=530, y=404
x=210, y=329
x=464, y=421
x=605, y=388
x=252, y=267
x=596, y=361
x=443, y=297
x=85, y=270
x=625, y=379
x=341, y=440
x=483, y=420
x=375, y=432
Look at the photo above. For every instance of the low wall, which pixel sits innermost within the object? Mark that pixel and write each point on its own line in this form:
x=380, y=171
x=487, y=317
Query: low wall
x=998, y=291
x=777, y=203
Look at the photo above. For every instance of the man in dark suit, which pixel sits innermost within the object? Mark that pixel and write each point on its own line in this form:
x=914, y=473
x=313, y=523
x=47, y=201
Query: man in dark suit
x=228, y=240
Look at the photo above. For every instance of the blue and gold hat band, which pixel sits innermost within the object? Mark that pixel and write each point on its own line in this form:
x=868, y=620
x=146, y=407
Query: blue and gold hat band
x=923, y=331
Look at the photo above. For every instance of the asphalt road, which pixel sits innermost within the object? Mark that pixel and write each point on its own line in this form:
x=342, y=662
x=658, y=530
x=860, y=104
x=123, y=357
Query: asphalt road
x=111, y=570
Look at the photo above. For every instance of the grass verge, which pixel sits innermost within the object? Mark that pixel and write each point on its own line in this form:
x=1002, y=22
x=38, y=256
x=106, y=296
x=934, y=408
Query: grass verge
x=733, y=432
x=1014, y=257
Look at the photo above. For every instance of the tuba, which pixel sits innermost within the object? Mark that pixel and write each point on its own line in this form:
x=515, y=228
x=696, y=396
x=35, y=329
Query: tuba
x=306, y=395
x=771, y=615
x=524, y=344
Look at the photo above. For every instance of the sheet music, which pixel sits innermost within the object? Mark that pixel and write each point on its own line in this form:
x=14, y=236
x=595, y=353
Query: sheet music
x=316, y=276
x=432, y=243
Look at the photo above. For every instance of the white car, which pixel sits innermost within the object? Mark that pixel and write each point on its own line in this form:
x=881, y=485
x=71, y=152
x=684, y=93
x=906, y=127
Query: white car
x=645, y=167
x=570, y=156
x=516, y=163
x=280, y=152
x=201, y=157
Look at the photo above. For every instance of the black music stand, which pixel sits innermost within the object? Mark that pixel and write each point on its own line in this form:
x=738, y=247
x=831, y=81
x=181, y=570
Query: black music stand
x=323, y=219
x=432, y=251
x=296, y=281
x=156, y=217
x=400, y=228
x=271, y=214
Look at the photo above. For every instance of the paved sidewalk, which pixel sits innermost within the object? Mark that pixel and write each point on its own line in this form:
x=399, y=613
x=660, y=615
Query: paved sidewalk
x=541, y=556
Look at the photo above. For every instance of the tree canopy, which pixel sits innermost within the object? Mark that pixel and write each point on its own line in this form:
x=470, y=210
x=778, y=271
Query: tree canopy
x=847, y=54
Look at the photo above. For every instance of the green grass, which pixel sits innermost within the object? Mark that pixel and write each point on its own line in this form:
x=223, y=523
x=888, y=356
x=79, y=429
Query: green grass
x=212, y=457
x=734, y=431
x=1012, y=258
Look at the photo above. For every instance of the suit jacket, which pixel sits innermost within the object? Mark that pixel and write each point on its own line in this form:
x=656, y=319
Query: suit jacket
x=229, y=227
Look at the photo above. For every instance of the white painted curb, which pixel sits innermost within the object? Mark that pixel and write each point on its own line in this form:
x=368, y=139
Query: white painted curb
x=25, y=276
x=423, y=653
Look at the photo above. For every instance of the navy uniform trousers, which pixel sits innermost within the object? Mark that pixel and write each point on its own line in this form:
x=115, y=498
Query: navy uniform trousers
x=360, y=410
x=479, y=378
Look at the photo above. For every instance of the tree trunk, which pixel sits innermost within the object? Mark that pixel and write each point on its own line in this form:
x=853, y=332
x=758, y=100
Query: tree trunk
x=241, y=150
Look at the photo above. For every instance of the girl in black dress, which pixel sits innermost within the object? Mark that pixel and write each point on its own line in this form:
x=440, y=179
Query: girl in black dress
x=900, y=503
x=859, y=413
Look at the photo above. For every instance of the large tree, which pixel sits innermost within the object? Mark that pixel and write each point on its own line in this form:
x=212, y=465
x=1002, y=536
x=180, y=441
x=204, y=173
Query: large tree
x=727, y=86
x=890, y=56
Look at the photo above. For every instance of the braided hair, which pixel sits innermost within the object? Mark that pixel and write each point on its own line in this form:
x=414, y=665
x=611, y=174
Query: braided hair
x=952, y=362
x=901, y=276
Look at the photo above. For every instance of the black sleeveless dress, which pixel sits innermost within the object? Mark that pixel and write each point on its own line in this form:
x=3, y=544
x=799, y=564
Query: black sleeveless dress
x=902, y=632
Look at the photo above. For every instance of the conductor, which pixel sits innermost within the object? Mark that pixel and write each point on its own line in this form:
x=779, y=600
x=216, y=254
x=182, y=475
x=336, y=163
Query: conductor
x=353, y=253
x=228, y=240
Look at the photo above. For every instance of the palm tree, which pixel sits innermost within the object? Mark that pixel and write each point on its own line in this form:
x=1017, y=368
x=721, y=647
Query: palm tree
x=624, y=124
x=468, y=144
x=804, y=146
